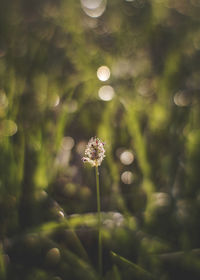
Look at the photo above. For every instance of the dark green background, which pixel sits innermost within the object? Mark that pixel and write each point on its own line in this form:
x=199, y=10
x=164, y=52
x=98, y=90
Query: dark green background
x=49, y=54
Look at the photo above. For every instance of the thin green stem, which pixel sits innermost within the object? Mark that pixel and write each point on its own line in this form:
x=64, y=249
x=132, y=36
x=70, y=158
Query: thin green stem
x=99, y=223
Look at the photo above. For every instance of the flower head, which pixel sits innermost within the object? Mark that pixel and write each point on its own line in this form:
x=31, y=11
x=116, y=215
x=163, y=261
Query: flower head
x=94, y=152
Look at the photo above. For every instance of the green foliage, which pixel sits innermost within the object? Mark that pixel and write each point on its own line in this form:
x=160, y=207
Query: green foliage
x=131, y=270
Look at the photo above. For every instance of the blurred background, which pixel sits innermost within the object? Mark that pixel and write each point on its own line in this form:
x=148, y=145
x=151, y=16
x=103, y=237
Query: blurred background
x=128, y=72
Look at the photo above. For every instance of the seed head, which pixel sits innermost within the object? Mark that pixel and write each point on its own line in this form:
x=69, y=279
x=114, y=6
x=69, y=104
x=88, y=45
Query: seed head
x=94, y=152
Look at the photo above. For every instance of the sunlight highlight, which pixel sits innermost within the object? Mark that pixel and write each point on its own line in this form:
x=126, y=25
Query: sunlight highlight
x=106, y=93
x=94, y=8
x=103, y=73
x=182, y=99
x=126, y=157
x=127, y=177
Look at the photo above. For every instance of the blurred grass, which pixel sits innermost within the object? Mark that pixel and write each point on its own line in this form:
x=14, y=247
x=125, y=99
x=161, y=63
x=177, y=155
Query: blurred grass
x=49, y=55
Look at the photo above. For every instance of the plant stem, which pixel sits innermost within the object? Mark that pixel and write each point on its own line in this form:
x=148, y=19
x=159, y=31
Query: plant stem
x=99, y=223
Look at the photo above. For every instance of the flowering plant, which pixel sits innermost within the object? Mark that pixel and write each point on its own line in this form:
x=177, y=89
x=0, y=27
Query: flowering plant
x=94, y=152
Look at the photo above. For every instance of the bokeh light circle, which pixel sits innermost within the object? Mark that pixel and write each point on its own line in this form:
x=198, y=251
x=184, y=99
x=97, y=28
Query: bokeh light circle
x=126, y=157
x=182, y=99
x=94, y=12
x=67, y=143
x=8, y=128
x=106, y=93
x=127, y=177
x=53, y=256
x=103, y=73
